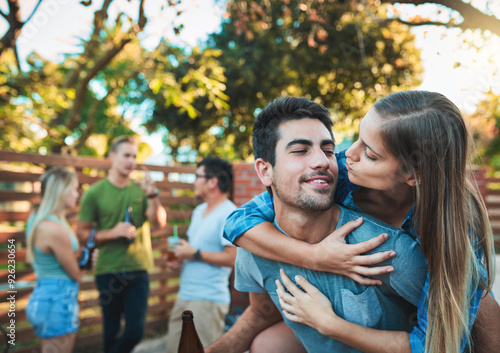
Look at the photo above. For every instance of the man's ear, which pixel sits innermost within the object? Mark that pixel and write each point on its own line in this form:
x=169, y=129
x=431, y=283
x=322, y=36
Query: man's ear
x=264, y=171
x=212, y=183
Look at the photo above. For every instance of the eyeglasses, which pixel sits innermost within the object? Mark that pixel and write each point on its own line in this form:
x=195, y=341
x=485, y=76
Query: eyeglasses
x=198, y=176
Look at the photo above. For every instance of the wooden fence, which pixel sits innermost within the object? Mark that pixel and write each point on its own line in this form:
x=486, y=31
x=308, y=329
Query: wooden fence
x=19, y=191
x=491, y=195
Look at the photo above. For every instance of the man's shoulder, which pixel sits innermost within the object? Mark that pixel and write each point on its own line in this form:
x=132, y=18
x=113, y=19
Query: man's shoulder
x=368, y=221
x=371, y=228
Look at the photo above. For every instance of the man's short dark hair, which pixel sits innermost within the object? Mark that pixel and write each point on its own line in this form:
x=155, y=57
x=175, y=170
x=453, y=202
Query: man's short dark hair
x=266, y=124
x=122, y=139
x=220, y=169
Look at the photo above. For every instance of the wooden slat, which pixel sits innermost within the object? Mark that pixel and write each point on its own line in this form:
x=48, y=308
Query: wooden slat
x=179, y=214
x=490, y=205
x=8, y=195
x=493, y=192
x=19, y=256
x=21, y=275
x=9, y=176
x=174, y=185
x=178, y=200
x=55, y=160
x=83, y=178
x=19, y=236
x=13, y=216
x=494, y=218
x=82, y=162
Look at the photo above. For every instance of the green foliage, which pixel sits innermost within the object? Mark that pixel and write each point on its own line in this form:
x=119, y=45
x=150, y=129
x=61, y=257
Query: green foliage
x=341, y=56
x=190, y=98
x=485, y=125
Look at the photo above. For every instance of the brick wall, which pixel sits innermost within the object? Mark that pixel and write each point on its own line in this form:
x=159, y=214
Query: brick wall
x=246, y=183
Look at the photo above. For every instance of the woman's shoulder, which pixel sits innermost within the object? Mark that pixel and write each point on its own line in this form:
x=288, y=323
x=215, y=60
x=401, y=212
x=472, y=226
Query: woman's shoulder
x=52, y=229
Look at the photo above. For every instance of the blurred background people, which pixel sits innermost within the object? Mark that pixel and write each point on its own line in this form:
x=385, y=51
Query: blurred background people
x=120, y=209
x=207, y=257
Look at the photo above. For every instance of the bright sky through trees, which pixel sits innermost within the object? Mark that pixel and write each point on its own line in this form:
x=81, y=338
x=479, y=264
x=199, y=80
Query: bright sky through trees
x=461, y=71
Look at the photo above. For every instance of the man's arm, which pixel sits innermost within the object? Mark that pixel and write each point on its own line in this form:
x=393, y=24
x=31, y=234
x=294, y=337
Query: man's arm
x=87, y=217
x=261, y=314
x=156, y=213
x=121, y=230
x=223, y=258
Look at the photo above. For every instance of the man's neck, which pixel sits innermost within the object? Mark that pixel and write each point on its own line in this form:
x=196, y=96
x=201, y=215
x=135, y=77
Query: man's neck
x=311, y=227
x=118, y=180
x=213, y=201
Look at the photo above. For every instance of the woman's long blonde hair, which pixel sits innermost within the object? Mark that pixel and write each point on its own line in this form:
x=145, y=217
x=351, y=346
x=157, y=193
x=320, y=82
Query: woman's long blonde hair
x=428, y=135
x=56, y=183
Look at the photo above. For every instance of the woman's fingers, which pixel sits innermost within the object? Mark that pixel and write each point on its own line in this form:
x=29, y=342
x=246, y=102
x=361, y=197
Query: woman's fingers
x=365, y=280
x=286, y=302
x=290, y=286
x=308, y=287
x=347, y=228
x=369, y=245
x=372, y=271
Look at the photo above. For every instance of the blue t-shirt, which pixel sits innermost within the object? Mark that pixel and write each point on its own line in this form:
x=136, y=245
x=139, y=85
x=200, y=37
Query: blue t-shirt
x=390, y=306
x=261, y=209
x=199, y=280
x=47, y=265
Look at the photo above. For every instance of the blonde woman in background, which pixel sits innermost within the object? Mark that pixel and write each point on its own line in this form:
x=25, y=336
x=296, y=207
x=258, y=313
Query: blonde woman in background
x=52, y=310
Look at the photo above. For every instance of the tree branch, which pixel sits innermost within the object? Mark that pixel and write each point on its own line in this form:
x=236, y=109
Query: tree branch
x=16, y=54
x=99, y=17
x=33, y=12
x=88, y=53
x=15, y=25
x=75, y=113
x=473, y=18
x=4, y=15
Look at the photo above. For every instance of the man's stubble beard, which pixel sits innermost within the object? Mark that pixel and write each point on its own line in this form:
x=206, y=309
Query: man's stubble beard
x=305, y=201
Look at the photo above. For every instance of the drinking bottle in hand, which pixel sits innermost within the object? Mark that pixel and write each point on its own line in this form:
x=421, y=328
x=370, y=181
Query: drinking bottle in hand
x=172, y=242
x=85, y=260
x=129, y=219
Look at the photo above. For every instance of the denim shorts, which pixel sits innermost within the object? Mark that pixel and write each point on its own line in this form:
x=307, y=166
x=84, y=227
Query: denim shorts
x=52, y=308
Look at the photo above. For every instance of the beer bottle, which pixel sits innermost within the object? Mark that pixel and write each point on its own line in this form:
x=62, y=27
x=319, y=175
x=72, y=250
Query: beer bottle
x=128, y=219
x=190, y=342
x=85, y=260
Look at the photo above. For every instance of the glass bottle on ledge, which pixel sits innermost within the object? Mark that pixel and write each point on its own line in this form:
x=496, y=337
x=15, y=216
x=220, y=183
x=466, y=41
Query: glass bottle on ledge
x=190, y=342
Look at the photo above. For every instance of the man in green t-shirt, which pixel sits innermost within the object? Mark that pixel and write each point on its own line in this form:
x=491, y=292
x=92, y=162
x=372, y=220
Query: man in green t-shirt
x=119, y=209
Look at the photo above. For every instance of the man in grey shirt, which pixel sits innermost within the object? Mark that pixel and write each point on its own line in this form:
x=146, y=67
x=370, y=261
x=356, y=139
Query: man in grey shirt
x=294, y=150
